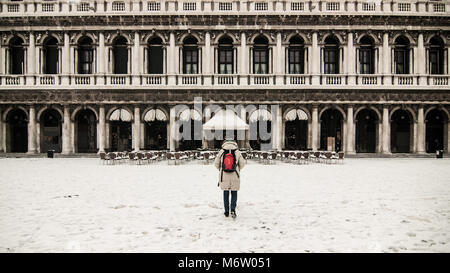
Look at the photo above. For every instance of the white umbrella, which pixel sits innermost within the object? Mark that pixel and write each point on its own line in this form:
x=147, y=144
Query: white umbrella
x=225, y=120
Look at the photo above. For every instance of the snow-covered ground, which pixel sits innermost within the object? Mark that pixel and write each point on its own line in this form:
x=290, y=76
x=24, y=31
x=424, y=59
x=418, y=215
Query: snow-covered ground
x=364, y=205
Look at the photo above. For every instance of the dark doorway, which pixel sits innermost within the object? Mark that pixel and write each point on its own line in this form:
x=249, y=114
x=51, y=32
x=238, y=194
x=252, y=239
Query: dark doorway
x=434, y=139
x=18, y=131
x=51, y=131
x=256, y=139
x=155, y=56
x=296, y=134
x=121, y=136
x=366, y=131
x=400, y=132
x=17, y=56
x=156, y=135
x=51, y=56
x=195, y=141
x=86, y=131
x=331, y=126
x=120, y=51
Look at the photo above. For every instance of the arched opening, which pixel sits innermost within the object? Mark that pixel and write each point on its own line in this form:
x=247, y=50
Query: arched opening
x=260, y=130
x=120, y=53
x=331, y=129
x=436, y=56
x=190, y=55
x=51, y=131
x=331, y=55
x=85, y=56
x=155, y=56
x=260, y=55
x=296, y=130
x=86, y=131
x=366, y=131
x=155, y=130
x=366, y=55
x=51, y=56
x=401, y=55
x=226, y=58
x=17, y=131
x=401, y=127
x=435, y=125
x=17, y=56
x=190, y=129
x=296, y=55
x=120, y=130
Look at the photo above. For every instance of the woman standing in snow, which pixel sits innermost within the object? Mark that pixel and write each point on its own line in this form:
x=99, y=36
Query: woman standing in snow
x=229, y=162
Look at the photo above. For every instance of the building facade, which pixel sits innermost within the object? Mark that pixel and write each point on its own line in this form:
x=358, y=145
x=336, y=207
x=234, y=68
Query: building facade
x=88, y=76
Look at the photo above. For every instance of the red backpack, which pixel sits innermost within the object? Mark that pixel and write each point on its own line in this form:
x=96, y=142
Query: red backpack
x=228, y=163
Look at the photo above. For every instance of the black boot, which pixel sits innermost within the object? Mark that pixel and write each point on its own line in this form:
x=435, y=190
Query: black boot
x=233, y=214
x=226, y=213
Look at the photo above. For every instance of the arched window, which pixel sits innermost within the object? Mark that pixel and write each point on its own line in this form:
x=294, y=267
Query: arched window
x=17, y=56
x=436, y=56
x=85, y=56
x=190, y=55
x=401, y=55
x=155, y=56
x=50, y=56
x=296, y=55
x=226, y=58
x=331, y=55
x=366, y=55
x=260, y=55
x=120, y=53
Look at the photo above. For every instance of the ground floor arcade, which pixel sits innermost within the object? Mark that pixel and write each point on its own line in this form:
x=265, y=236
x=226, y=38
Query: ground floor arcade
x=355, y=128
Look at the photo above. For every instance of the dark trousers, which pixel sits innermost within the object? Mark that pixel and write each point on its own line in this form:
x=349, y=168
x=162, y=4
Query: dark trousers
x=226, y=200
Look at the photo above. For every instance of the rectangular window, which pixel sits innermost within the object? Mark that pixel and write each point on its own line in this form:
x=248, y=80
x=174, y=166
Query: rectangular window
x=436, y=61
x=153, y=6
x=439, y=7
x=401, y=61
x=331, y=61
x=226, y=61
x=404, y=7
x=296, y=61
x=190, y=61
x=366, y=61
x=296, y=6
x=85, y=60
x=260, y=61
x=48, y=7
x=83, y=7
x=118, y=6
x=261, y=6
x=225, y=6
x=189, y=6
x=13, y=8
x=368, y=6
x=333, y=6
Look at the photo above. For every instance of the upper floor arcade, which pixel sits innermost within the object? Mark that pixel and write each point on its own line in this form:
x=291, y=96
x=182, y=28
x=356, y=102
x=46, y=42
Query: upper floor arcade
x=252, y=57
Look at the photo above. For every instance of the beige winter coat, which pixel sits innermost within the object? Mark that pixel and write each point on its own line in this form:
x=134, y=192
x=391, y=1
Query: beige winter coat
x=230, y=180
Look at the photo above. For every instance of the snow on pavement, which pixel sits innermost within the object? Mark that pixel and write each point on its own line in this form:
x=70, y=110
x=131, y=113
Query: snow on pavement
x=363, y=205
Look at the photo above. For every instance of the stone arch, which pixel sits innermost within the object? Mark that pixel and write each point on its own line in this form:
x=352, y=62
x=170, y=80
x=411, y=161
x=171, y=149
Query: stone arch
x=340, y=39
x=406, y=35
x=46, y=36
x=375, y=39
x=337, y=107
x=79, y=36
x=41, y=111
x=83, y=107
x=108, y=115
x=223, y=34
x=297, y=107
x=431, y=36
x=407, y=109
x=265, y=35
x=115, y=36
x=18, y=35
x=301, y=34
x=11, y=108
x=155, y=108
x=377, y=112
x=443, y=109
x=152, y=35
x=187, y=34
x=250, y=114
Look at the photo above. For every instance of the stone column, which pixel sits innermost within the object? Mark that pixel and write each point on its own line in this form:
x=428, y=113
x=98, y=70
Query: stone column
x=350, y=149
x=66, y=141
x=349, y=59
x=315, y=61
x=386, y=60
x=32, y=131
x=278, y=59
x=137, y=128
x=447, y=137
x=244, y=60
x=207, y=59
x=419, y=61
x=101, y=58
x=420, y=131
x=101, y=131
x=172, y=135
x=171, y=60
x=315, y=128
x=279, y=127
x=136, y=71
x=207, y=118
x=386, y=145
x=66, y=64
x=2, y=149
x=30, y=69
